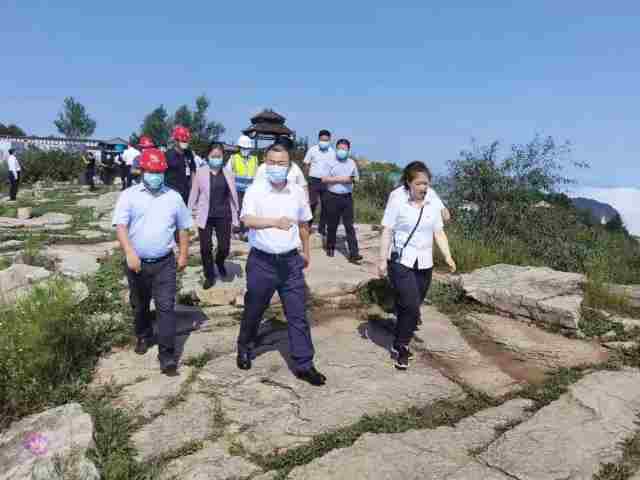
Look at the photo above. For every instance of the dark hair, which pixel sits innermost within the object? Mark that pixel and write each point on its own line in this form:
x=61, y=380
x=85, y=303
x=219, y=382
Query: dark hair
x=11, y=151
x=324, y=133
x=215, y=146
x=411, y=171
x=285, y=141
x=344, y=141
x=276, y=147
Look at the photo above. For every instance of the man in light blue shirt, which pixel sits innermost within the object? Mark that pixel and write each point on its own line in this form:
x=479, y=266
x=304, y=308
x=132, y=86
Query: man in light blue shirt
x=339, y=175
x=314, y=162
x=146, y=218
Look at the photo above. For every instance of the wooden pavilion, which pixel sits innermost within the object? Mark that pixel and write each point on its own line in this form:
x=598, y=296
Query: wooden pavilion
x=268, y=125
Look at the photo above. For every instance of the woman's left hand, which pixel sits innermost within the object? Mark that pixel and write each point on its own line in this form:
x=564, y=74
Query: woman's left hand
x=451, y=264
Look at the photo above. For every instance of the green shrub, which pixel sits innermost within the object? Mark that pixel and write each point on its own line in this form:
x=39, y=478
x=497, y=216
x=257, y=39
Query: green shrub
x=55, y=165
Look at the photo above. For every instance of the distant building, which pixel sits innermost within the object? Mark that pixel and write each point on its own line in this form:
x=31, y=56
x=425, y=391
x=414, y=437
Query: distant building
x=48, y=143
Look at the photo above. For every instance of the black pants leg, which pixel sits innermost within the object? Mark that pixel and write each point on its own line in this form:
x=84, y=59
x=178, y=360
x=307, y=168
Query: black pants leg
x=409, y=285
x=262, y=281
x=89, y=174
x=241, y=228
x=316, y=199
x=14, y=180
x=206, y=249
x=223, y=236
x=333, y=209
x=322, y=226
x=347, y=221
x=140, y=298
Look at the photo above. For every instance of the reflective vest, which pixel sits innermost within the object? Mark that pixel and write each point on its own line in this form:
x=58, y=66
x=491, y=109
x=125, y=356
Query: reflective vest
x=245, y=171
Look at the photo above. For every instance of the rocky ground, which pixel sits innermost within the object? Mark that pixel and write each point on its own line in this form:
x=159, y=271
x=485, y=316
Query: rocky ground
x=506, y=383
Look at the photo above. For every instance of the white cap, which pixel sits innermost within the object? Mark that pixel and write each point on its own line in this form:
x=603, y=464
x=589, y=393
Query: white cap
x=244, y=142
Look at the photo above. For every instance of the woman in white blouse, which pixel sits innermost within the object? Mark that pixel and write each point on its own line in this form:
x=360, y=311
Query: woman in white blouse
x=410, y=224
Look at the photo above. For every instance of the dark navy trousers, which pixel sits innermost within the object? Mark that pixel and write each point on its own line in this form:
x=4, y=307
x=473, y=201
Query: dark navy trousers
x=267, y=274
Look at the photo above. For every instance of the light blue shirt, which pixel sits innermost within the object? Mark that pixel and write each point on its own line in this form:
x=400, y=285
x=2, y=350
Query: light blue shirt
x=317, y=159
x=264, y=201
x=152, y=220
x=337, y=168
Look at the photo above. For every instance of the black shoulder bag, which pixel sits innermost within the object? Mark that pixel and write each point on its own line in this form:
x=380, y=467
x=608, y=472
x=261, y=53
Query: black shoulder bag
x=397, y=255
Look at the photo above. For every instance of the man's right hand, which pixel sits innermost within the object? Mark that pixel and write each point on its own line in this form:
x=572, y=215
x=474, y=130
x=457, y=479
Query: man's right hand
x=284, y=223
x=133, y=262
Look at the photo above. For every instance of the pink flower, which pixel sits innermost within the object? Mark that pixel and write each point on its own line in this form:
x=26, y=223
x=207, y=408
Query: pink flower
x=36, y=443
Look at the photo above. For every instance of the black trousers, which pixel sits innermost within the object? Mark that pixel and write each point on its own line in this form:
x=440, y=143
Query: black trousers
x=157, y=281
x=267, y=274
x=317, y=191
x=222, y=227
x=340, y=208
x=89, y=173
x=125, y=176
x=14, y=181
x=410, y=286
x=242, y=228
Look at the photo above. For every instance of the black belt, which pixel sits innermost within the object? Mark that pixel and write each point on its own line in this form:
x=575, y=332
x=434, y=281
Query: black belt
x=156, y=260
x=348, y=194
x=275, y=256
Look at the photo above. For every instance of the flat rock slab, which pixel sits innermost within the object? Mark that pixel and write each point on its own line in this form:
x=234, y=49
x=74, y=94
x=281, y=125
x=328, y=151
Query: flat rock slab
x=11, y=245
x=103, y=204
x=540, y=348
x=211, y=463
x=49, y=220
x=195, y=419
x=572, y=436
x=538, y=293
x=78, y=260
x=274, y=410
x=440, y=454
x=442, y=340
x=18, y=279
x=28, y=447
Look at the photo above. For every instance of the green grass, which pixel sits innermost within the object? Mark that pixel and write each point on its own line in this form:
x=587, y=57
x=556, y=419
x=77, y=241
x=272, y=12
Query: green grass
x=627, y=466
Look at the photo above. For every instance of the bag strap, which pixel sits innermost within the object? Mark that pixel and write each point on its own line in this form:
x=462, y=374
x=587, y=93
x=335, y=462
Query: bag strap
x=412, y=231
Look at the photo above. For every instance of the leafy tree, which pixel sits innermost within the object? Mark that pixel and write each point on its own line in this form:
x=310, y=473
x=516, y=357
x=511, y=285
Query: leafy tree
x=74, y=121
x=156, y=125
x=134, y=139
x=616, y=224
x=12, y=130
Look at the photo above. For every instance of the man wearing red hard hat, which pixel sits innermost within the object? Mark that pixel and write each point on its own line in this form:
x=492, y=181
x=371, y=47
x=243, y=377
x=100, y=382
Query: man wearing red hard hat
x=180, y=161
x=147, y=217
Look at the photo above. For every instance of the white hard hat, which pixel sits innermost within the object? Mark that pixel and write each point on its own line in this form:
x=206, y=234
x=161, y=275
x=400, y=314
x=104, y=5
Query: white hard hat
x=244, y=142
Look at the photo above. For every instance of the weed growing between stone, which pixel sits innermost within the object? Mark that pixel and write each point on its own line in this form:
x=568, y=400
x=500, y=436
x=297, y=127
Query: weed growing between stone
x=445, y=412
x=627, y=466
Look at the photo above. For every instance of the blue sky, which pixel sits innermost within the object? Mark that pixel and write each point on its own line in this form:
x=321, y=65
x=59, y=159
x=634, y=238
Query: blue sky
x=403, y=80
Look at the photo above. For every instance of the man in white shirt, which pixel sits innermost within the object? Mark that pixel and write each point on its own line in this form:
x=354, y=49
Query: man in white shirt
x=277, y=213
x=129, y=155
x=315, y=161
x=14, y=174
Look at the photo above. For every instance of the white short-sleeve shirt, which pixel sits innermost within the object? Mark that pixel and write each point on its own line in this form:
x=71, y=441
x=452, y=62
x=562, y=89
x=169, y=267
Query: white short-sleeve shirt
x=129, y=155
x=400, y=216
x=316, y=158
x=401, y=191
x=294, y=176
x=262, y=200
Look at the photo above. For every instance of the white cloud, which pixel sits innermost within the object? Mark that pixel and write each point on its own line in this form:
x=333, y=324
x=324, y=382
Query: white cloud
x=624, y=199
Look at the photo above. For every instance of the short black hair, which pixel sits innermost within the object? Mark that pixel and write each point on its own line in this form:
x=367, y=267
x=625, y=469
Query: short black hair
x=324, y=133
x=344, y=141
x=11, y=151
x=412, y=170
x=285, y=141
x=276, y=147
x=215, y=146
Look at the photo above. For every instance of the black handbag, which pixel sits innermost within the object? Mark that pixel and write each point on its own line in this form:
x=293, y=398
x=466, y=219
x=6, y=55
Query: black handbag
x=397, y=255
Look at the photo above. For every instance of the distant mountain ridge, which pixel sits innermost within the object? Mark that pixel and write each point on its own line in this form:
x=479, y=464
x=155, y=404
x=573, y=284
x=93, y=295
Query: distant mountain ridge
x=597, y=209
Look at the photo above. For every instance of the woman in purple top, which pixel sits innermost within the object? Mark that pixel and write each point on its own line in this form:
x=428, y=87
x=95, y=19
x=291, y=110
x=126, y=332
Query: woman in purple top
x=214, y=203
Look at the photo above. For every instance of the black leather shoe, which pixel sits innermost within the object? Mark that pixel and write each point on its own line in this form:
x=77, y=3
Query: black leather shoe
x=222, y=270
x=331, y=253
x=355, y=258
x=169, y=366
x=208, y=283
x=142, y=345
x=244, y=361
x=312, y=376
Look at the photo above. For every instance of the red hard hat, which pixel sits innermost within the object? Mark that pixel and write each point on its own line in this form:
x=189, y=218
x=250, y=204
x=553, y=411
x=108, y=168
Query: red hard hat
x=153, y=161
x=181, y=134
x=146, y=142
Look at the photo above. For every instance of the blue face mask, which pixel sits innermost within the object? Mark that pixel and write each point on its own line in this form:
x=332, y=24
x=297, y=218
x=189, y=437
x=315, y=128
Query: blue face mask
x=324, y=146
x=342, y=154
x=153, y=181
x=215, y=163
x=245, y=152
x=277, y=173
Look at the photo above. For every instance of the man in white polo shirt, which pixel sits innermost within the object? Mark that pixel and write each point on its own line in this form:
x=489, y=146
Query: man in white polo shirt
x=277, y=213
x=14, y=174
x=315, y=161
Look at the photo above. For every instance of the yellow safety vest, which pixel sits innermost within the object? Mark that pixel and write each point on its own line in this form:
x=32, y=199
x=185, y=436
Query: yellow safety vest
x=242, y=168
